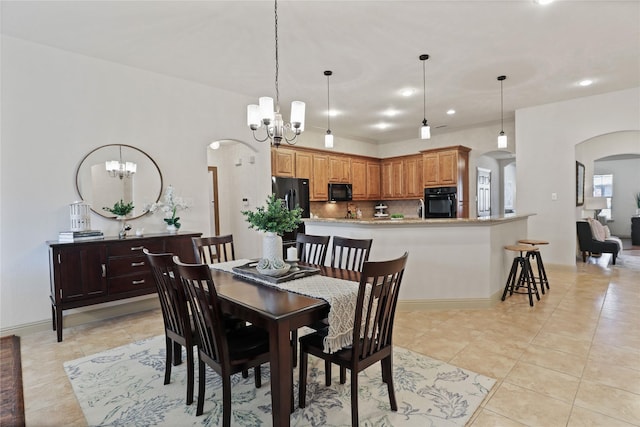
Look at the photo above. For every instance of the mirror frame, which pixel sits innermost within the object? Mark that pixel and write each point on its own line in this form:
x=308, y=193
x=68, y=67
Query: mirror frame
x=106, y=214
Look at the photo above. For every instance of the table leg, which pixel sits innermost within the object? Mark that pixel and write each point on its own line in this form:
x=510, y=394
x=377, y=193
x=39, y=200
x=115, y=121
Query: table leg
x=281, y=376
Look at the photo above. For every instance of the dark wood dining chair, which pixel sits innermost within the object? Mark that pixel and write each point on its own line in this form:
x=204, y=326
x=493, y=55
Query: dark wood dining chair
x=350, y=254
x=178, y=328
x=312, y=249
x=226, y=352
x=372, y=332
x=210, y=250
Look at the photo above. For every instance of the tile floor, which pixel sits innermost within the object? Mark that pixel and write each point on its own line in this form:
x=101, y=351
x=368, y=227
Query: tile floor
x=572, y=360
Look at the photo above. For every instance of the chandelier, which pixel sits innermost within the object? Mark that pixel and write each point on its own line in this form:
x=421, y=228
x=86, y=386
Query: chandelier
x=120, y=169
x=264, y=115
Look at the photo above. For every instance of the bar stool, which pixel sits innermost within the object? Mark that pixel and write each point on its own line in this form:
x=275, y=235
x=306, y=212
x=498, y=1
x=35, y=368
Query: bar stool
x=525, y=276
x=542, y=274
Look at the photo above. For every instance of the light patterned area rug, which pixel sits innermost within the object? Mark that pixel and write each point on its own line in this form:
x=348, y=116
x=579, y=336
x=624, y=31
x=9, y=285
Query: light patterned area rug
x=629, y=258
x=124, y=387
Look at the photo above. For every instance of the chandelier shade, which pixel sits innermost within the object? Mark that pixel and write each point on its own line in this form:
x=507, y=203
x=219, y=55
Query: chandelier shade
x=120, y=169
x=264, y=115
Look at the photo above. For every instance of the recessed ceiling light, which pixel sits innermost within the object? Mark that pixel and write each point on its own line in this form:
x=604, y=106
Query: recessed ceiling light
x=407, y=92
x=451, y=112
x=333, y=113
x=382, y=125
x=585, y=82
x=390, y=112
x=215, y=145
x=543, y=2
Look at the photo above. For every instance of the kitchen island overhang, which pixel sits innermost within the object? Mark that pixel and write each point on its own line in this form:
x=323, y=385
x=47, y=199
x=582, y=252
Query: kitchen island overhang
x=453, y=263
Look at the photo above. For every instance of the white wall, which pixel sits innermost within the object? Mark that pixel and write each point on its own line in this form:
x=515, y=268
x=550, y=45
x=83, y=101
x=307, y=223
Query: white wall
x=547, y=136
x=58, y=106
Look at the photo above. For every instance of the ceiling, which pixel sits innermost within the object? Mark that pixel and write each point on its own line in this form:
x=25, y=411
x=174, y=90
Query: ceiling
x=372, y=47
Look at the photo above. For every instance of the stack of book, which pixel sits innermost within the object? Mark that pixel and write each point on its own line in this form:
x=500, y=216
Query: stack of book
x=76, y=236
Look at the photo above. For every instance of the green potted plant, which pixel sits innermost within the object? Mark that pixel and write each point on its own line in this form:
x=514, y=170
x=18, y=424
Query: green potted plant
x=121, y=210
x=274, y=219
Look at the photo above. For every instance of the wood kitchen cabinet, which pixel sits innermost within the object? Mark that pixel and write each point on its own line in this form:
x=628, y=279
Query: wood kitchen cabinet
x=320, y=180
x=283, y=162
x=373, y=180
x=359, y=178
x=339, y=169
x=304, y=165
x=392, y=178
x=445, y=167
x=412, y=177
x=96, y=271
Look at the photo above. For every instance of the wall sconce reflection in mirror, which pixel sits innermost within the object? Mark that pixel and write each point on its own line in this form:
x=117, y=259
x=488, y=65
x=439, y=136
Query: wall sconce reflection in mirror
x=139, y=183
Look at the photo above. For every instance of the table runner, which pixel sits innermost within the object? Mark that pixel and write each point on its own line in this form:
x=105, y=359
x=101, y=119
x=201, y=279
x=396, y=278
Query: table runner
x=339, y=293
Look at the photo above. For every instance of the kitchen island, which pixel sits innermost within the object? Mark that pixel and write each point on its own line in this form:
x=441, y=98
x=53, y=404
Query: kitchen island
x=453, y=263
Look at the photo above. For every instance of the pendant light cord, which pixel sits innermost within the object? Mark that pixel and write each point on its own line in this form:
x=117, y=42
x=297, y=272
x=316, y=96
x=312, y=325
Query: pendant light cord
x=424, y=89
x=328, y=103
x=501, y=108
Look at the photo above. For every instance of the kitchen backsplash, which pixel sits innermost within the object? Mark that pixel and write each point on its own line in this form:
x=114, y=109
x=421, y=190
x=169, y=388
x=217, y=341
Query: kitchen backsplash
x=409, y=208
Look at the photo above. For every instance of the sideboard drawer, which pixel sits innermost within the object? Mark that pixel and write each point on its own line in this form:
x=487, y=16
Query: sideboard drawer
x=134, y=282
x=135, y=247
x=127, y=265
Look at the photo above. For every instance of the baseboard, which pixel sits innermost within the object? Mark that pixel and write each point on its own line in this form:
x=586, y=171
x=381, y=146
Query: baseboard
x=88, y=315
x=449, y=304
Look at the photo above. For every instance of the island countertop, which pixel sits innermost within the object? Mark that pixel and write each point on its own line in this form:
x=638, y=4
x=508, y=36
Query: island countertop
x=420, y=222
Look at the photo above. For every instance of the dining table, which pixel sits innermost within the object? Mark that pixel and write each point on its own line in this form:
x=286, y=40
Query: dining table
x=279, y=311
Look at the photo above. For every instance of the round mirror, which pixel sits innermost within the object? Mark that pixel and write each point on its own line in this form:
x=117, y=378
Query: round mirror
x=117, y=172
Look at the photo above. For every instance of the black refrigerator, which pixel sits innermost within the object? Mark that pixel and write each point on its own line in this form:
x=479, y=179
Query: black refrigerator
x=294, y=192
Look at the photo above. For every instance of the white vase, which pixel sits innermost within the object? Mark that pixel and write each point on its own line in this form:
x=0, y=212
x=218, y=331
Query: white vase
x=271, y=246
x=172, y=229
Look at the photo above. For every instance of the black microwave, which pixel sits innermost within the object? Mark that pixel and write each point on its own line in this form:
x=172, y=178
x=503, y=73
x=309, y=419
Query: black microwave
x=340, y=192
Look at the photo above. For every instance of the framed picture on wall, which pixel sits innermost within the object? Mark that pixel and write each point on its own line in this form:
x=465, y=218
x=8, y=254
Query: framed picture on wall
x=579, y=184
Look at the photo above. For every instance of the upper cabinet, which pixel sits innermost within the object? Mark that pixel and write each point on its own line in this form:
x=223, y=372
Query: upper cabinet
x=359, y=178
x=402, y=177
x=320, y=179
x=445, y=167
x=412, y=176
x=339, y=169
x=304, y=165
x=283, y=162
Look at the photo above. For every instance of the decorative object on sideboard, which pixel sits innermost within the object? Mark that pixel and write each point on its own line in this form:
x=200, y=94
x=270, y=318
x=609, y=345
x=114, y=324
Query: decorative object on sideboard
x=502, y=138
x=80, y=216
x=264, y=115
x=121, y=210
x=425, y=129
x=274, y=219
x=96, y=188
x=170, y=206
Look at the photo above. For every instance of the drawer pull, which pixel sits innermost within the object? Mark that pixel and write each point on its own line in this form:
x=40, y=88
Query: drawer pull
x=137, y=282
x=137, y=248
x=137, y=264
x=104, y=270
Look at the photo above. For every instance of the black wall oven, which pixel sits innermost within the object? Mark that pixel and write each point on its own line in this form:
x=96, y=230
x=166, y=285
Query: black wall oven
x=440, y=202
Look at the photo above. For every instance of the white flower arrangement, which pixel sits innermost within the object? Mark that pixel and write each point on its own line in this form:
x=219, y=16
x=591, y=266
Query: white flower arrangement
x=169, y=206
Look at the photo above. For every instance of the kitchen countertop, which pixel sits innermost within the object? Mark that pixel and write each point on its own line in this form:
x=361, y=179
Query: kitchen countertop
x=423, y=222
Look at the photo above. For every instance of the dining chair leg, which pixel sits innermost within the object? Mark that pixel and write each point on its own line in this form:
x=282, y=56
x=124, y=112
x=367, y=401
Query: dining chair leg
x=294, y=347
x=343, y=375
x=167, y=362
x=257, y=374
x=226, y=400
x=354, y=397
x=201, y=380
x=387, y=376
x=190, y=375
x=245, y=373
x=302, y=379
x=177, y=354
x=327, y=373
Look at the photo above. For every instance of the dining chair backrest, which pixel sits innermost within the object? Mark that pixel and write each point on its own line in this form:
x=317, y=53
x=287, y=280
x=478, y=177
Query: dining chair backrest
x=350, y=254
x=376, y=305
x=205, y=306
x=210, y=250
x=312, y=249
x=173, y=302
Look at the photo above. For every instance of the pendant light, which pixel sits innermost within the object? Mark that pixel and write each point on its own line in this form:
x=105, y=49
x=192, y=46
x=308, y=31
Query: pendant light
x=263, y=114
x=328, y=138
x=502, y=138
x=425, y=130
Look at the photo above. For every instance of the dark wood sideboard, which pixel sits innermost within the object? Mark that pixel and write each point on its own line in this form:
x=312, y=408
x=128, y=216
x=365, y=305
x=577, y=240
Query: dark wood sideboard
x=97, y=271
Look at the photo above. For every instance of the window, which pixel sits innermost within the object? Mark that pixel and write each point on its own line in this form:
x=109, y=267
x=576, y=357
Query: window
x=603, y=187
